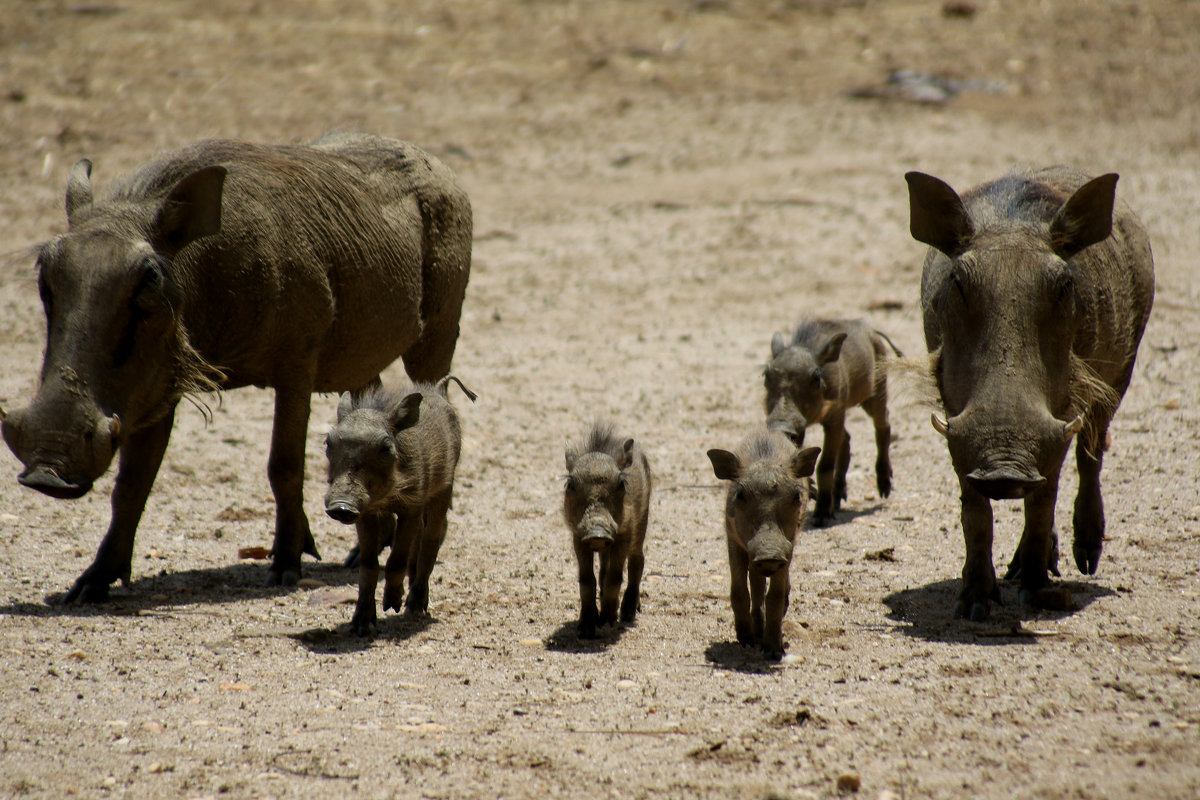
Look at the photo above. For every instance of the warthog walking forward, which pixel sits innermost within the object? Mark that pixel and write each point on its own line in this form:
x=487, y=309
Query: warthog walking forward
x=392, y=457
x=227, y=264
x=764, y=509
x=606, y=504
x=1035, y=296
x=829, y=367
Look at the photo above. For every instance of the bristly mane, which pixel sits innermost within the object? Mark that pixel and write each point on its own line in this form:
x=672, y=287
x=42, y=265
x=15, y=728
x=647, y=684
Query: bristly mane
x=765, y=445
x=385, y=399
x=601, y=438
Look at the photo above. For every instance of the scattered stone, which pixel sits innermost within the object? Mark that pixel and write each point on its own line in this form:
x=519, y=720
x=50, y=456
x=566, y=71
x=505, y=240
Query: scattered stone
x=849, y=782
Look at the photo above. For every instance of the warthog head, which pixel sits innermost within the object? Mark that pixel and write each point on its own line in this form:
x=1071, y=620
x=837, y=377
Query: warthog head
x=117, y=357
x=796, y=384
x=764, y=506
x=1000, y=312
x=365, y=463
x=594, y=496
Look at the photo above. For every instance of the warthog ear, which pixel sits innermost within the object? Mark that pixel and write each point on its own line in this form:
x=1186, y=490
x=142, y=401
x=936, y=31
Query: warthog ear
x=79, y=189
x=777, y=344
x=572, y=455
x=832, y=349
x=1086, y=217
x=345, y=405
x=406, y=414
x=937, y=216
x=626, y=455
x=192, y=209
x=726, y=465
x=805, y=461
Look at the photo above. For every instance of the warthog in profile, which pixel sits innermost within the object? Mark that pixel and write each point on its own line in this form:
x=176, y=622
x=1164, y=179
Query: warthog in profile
x=764, y=509
x=1035, y=296
x=226, y=264
x=829, y=367
x=606, y=504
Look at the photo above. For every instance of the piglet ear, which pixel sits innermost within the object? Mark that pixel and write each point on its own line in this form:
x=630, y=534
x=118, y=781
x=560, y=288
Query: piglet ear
x=832, y=349
x=626, y=455
x=805, y=461
x=937, y=216
x=777, y=344
x=726, y=466
x=345, y=405
x=192, y=209
x=1086, y=217
x=79, y=189
x=406, y=413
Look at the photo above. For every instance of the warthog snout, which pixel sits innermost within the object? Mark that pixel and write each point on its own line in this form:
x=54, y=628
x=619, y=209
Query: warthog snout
x=342, y=511
x=1004, y=483
x=769, y=566
x=48, y=482
x=597, y=538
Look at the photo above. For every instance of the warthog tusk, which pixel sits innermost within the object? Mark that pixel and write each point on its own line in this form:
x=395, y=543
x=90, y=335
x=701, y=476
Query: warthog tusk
x=3, y=413
x=1073, y=427
x=939, y=425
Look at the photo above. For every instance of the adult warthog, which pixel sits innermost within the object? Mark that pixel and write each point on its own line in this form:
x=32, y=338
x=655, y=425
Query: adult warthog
x=226, y=264
x=1035, y=296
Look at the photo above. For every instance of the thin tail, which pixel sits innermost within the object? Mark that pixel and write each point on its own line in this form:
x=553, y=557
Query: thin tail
x=895, y=349
x=445, y=382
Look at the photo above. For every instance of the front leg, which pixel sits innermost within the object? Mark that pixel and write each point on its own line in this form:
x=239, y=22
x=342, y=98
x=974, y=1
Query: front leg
x=588, y=615
x=776, y=607
x=827, y=468
x=612, y=567
x=1037, y=540
x=758, y=591
x=739, y=595
x=363, y=621
x=141, y=456
x=402, y=531
x=285, y=468
x=978, y=576
x=1088, y=521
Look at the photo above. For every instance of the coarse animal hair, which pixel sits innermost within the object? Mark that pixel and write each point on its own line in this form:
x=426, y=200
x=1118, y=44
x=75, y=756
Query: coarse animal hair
x=601, y=438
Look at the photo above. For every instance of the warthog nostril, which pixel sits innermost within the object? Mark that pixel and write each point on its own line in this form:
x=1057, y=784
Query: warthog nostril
x=597, y=542
x=342, y=512
x=1004, y=483
x=769, y=566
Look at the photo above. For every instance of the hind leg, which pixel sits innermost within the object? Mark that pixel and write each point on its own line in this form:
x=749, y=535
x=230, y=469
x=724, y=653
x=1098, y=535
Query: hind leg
x=876, y=408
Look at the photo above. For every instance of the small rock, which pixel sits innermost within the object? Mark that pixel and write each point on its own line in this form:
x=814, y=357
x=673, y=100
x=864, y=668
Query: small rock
x=849, y=782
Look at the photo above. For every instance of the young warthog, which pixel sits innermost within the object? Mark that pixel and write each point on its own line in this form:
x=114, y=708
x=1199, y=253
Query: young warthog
x=830, y=367
x=606, y=504
x=764, y=508
x=392, y=456
x=1035, y=296
x=227, y=264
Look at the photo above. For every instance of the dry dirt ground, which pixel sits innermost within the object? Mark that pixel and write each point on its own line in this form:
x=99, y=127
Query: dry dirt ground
x=658, y=187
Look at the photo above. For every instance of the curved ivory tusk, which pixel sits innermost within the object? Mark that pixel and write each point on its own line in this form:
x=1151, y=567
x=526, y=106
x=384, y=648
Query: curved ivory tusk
x=939, y=425
x=1073, y=427
x=114, y=427
x=3, y=413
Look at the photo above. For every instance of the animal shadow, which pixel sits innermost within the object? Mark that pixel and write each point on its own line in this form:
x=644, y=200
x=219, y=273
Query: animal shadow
x=566, y=638
x=843, y=516
x=192, y=587
x=340, y=639
x=926, y=612
x=739, y=658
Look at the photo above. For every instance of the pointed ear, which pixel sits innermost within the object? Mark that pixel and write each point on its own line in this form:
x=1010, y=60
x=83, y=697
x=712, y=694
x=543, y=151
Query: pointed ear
x=626, y=455
x=937, y=216
x=1086, y=217
x=777, y=344
x=345, y=404
x=726, y=465
x=571, y=458
x=832, y=349
x=192, y=209
x=406, y=413
x=805, y=461
x=79, y=189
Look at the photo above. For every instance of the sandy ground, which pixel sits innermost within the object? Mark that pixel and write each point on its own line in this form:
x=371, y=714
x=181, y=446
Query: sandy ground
x=658, y=187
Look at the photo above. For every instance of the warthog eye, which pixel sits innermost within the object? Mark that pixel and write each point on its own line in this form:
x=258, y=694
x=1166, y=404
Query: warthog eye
x=739, y=494
x=572, y=483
